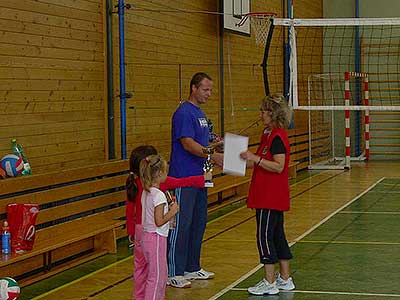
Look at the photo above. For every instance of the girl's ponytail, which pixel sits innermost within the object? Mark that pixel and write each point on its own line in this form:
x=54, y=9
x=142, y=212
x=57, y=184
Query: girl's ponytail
x=150, y=167
x=137, y=155
x=131, y=187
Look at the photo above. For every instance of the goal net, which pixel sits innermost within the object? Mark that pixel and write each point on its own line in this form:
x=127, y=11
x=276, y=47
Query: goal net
x=322, y=52
x=329, y=130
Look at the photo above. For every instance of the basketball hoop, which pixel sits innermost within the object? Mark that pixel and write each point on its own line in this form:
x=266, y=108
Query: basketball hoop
x=261, y=22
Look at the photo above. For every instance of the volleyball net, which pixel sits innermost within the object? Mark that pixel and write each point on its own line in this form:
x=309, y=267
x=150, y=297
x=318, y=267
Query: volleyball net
x=339, y=70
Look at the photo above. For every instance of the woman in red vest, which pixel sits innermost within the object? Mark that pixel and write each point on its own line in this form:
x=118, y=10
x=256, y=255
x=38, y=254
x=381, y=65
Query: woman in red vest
x=269, y=195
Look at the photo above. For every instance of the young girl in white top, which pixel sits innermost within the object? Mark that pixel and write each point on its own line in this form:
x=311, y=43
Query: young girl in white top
x=156, y=214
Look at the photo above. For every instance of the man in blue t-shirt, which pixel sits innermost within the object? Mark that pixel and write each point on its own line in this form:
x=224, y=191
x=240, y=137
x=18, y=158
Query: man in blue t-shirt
x=190, y=135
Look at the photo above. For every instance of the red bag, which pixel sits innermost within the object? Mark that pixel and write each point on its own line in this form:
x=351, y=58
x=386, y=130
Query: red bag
x=22, y=219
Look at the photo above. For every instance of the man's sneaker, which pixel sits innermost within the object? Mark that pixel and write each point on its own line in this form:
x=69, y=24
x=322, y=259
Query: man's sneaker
x=263, y=287
x=282, y=284
x=200, y=274
x=178, y=282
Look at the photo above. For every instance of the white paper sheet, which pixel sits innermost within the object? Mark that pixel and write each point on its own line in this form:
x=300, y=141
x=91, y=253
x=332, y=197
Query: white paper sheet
x=234, y=145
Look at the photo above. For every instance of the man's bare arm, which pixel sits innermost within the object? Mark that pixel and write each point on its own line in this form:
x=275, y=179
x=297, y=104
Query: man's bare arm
x=195, y=148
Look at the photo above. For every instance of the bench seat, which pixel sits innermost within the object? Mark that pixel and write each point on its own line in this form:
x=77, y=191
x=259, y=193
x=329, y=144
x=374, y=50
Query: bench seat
x=81, y=216
x=236, y=187
x=293, y=169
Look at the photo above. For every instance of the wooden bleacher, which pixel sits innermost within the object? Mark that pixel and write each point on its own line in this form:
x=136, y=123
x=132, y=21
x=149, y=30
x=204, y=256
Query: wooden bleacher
x=235, y=188
x=82, y=213
x=228, y=187
x=81, y=217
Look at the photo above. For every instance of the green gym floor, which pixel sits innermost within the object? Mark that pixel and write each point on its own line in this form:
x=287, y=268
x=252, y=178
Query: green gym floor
x=353, y=255
x=352, y=251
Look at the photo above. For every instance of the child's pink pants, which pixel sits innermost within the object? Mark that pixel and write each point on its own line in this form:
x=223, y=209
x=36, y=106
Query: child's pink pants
x=155, y=252
x=140, y=272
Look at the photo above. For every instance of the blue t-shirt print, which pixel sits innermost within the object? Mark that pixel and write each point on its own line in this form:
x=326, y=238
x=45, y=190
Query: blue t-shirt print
x=203, y=125
x=203, y=122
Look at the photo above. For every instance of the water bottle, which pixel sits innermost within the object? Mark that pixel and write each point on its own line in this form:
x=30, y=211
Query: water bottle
x=17, y=150
x=6, y=239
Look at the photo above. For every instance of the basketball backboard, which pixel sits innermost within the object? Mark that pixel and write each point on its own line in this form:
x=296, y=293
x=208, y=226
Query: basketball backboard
x=233, y=13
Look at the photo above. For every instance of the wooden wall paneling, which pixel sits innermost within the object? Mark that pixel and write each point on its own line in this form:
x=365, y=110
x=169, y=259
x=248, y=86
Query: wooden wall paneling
x=52, y=74
x=79, y=9
x=19, y=24
x=46, y=74
x=46, y=119
x=108, y=116
x=52, y=128
x=160, y=43
x=54, y=15
x=246, y=85
x=51, y=66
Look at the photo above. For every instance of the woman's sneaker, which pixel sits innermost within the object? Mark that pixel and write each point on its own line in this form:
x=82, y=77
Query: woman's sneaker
x=178, y=282
x=263, y=287
x=200, y=274
x=282, y=284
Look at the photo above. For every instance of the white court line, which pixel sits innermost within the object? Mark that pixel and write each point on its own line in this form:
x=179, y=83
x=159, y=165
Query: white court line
x=227, y=214
x=248, y=274
x=350, y=243
x=338, y=210
x=370, y=212
x=81, y=278
x=244, y=206
x=389, y=192
x=330, y=293
x=230, y=287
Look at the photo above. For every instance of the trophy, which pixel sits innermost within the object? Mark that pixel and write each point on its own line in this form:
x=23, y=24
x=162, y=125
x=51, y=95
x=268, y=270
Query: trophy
x=216, y=142
x=171, y=199
x=208, y=165
x=211, y=134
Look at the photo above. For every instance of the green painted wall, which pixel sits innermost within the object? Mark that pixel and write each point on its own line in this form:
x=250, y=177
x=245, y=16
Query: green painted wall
x=368, y=8
x=339, y=8
x=379, y=9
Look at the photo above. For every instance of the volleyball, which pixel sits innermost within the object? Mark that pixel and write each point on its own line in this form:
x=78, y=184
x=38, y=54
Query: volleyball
x=2, y=173
x=12, y=165
x=9, y=289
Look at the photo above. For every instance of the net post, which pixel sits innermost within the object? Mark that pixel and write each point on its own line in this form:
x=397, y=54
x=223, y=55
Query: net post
x=347, y=116
x=293, y=87
x=309, y=120
x=366, y=103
